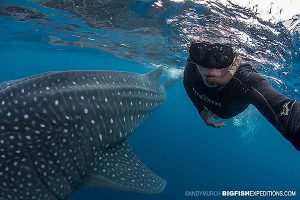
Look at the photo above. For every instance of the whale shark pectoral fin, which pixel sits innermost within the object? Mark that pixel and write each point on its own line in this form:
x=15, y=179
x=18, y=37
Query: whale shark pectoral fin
x=155, y=74
x=118, y=168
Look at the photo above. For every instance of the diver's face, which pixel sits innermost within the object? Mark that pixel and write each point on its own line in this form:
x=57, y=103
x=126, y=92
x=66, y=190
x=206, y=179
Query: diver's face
x=211, y=72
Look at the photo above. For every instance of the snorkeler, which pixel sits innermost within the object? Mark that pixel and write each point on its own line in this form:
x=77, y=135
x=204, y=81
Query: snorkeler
x=221, y=85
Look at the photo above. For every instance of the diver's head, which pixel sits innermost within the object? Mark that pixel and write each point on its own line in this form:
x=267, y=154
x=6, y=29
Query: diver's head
x=212, y=59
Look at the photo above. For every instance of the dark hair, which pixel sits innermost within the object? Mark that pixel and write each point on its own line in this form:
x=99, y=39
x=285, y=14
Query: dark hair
x=212, y=55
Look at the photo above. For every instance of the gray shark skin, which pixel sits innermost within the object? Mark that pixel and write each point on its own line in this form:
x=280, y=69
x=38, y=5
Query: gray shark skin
x=64, y=131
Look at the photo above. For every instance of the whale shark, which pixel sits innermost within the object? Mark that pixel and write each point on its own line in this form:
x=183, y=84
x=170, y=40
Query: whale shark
x=61, y=132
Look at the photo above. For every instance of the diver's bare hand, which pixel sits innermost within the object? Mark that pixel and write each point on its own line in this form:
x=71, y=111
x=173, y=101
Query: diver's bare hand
x=208, y=119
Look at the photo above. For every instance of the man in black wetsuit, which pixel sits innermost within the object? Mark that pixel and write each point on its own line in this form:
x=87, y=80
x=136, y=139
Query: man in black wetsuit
x=220, y=85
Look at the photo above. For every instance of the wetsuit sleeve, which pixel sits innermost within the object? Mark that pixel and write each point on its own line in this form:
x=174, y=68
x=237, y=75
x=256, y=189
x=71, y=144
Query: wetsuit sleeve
x=195, y=100
x=188, y=82
x=282, y=112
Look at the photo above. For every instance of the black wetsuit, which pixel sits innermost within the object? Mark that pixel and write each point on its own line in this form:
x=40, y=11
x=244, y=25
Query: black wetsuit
x=246, y=87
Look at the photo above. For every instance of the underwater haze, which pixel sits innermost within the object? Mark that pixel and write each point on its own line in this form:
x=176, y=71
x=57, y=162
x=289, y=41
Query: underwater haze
x=140, y=35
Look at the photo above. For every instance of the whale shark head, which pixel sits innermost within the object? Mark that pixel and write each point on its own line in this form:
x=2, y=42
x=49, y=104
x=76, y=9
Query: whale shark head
x=61, y=131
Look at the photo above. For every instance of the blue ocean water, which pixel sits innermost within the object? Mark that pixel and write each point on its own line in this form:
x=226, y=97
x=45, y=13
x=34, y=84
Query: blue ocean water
x=174, y=142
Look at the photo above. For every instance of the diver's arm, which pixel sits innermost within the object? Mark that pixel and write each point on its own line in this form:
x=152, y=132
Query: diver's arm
x=282, y=112
x=195, y=100
x=188, y=78
x=208, y=117
x=268, y=102
x=205, y=114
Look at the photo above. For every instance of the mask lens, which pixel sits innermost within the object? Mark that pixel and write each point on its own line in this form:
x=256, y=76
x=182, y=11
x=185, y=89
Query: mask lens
x=199, y=52
x=211, y=55
x=224, y=55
